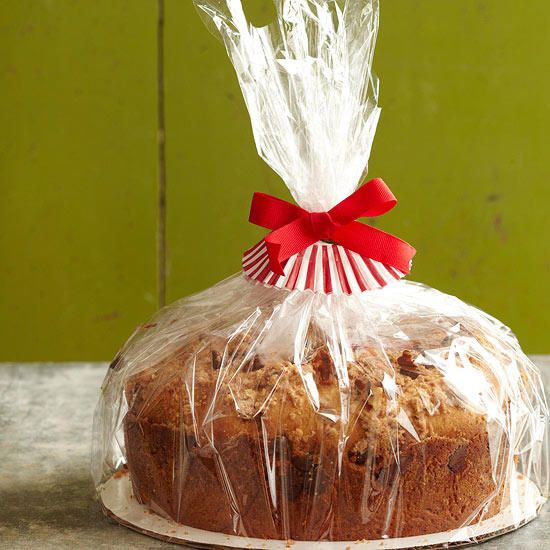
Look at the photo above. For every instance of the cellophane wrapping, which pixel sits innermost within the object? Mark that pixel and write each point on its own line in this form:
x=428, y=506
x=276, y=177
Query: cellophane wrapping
x=259, y=412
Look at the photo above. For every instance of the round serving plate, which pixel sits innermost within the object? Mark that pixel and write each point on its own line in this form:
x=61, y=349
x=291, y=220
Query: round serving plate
x=119, y=503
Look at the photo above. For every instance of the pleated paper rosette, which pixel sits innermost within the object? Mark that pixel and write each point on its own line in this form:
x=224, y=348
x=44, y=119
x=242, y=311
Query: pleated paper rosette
x=322, y=267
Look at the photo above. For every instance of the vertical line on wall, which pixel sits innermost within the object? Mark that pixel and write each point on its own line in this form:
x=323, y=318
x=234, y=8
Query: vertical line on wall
x=161, y=137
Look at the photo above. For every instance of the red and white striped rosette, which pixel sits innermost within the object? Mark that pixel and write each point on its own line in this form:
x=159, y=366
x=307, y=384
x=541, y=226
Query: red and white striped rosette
x=328, y=252
x=322, y=267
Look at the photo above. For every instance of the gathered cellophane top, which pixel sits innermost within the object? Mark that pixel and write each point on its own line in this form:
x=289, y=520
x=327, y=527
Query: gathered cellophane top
x=257, y=411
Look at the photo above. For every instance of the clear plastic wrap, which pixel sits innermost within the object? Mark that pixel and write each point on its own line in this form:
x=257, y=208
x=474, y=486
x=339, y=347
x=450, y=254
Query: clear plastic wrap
x=255, y=411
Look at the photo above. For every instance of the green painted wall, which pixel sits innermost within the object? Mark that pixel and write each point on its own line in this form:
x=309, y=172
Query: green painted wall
x=77, y=175
x=462, y=141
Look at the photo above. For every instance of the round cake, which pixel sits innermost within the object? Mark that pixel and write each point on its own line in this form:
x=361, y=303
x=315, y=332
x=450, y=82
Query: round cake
x=391, y=437
x=313, y=396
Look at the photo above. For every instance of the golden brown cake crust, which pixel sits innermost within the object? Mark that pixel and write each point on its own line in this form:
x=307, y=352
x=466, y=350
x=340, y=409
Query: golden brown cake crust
x=332, y=448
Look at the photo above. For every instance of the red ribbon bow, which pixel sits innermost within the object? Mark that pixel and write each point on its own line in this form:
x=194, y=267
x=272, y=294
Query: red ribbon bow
x=294, y=229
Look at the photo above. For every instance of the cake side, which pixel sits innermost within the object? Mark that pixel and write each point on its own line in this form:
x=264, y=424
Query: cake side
x=257, y=446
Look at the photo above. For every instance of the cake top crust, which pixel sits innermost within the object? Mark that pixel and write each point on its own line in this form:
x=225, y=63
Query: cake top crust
x=388, y=390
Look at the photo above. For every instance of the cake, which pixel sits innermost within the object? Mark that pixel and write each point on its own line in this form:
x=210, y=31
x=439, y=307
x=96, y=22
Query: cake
x=336, y=444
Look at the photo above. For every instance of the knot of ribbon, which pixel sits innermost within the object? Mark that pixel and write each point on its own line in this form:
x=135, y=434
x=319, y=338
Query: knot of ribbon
x=294, y=229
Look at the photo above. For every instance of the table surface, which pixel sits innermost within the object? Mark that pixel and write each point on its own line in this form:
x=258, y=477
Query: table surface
x=47, y=499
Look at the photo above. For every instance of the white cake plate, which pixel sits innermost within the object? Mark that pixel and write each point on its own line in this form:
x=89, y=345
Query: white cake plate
x=119, y=503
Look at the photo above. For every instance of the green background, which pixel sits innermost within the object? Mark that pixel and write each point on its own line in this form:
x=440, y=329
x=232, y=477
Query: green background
x=463, y=143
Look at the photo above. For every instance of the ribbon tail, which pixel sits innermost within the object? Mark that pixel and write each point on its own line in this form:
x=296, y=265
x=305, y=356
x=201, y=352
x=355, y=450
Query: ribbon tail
x=288, y=240
x=377, y=245
x=274, y=253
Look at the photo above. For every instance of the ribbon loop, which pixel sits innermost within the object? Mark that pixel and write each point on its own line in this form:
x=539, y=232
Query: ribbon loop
x=294, y=229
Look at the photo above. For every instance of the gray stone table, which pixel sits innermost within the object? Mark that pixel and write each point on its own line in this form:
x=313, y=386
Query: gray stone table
x=46, y=494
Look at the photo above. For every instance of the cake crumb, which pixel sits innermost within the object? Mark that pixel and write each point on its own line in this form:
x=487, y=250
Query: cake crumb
x=121, y=472
x=289, y=543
